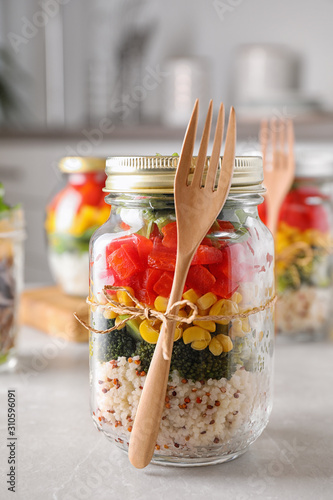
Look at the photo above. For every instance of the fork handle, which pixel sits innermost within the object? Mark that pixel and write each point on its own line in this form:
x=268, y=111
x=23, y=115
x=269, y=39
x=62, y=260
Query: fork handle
x=149, y=413
x=272, y=218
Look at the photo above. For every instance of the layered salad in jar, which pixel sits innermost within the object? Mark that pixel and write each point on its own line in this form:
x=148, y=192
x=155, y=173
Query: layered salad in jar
x=71, y=218
x=303, y=264
x=219, y=392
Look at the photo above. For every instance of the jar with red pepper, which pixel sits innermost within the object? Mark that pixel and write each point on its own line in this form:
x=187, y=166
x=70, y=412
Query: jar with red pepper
x=219, y=393
x=71, y=218
x=304, y=251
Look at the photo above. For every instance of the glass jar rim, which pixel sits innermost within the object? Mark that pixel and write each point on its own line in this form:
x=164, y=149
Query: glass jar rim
x=155, y=174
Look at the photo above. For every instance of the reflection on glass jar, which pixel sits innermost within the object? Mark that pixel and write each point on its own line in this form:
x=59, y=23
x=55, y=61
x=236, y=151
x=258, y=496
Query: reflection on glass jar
x=219, y=394
x=72, y=217
x=11, y=278
x=303, y=252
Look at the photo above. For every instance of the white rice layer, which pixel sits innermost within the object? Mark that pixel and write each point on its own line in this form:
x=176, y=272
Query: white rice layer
x=304, y=310
x=196, y=414
x=71, y=271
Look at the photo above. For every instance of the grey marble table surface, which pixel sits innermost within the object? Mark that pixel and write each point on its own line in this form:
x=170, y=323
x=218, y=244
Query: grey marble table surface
x=61, y=456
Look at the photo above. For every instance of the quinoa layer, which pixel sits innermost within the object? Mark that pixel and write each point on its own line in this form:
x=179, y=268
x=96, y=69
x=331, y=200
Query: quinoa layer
x=71, y=271
x=304, y=310
x=197, y=414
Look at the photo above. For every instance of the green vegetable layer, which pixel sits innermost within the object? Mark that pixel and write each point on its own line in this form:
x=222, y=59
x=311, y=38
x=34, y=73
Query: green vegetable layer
x=191, y=364
x=315, y=273
x=61, y=243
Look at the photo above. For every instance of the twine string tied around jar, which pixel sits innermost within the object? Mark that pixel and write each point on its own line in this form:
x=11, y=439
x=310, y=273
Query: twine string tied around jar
x=140, y=310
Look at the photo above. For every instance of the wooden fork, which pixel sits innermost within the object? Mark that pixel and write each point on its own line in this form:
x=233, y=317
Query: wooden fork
x=196, y=209
x=277, y=145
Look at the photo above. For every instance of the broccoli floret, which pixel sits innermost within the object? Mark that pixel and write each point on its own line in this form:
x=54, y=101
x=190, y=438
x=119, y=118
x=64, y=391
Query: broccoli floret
x=200, y=365
x=191, y=364
x=111, y=345
x=114, y=345
x=145, y=352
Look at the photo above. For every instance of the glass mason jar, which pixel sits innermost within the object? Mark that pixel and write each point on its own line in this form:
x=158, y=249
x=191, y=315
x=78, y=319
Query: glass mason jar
x=12, y=235
x=71, y=218
x=219, y=393
x=303, y=251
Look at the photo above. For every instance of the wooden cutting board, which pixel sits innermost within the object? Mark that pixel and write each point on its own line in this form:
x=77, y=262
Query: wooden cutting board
x=48, y=309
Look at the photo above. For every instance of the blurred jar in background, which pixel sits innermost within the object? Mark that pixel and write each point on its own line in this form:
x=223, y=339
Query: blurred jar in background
x=187, y=78
x=266, y=79
x=71, y=218
x=11, y=278
x=303, y=251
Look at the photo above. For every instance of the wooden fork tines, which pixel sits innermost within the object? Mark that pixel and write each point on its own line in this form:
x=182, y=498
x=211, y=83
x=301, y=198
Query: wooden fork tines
x=277, y=145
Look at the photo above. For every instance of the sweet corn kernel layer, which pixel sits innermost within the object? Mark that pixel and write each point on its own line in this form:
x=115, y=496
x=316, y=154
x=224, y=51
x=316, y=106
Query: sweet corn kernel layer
x=216, y=414
x=198, y=335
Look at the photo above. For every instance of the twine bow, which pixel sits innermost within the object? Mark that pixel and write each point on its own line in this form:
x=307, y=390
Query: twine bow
x=140, y=310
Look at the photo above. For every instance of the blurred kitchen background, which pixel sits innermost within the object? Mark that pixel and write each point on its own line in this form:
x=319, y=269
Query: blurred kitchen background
x=100, y=78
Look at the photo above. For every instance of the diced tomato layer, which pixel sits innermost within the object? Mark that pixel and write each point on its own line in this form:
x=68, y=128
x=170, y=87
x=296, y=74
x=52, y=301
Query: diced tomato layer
x=200, y=279
x=302, y=208
x=170, y=235
x=143, y=245
x=218, y=269
x=146, y=297
x=164, y=284
x=150, y=277
x=232, y=264
x=162, y=257
x=224, y=287
x=110, y=277
x=235, y=273
x=125, y=261
x=91, y=189
x=162, y=260
x=169, y=232
x=116, y=243
x=147, y=265
x=208, y=242
x=207, y=255
x=89, y=192
x=134, y=281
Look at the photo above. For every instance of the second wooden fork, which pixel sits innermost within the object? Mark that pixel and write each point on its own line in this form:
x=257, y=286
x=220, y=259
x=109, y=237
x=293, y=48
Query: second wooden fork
x=277, y=145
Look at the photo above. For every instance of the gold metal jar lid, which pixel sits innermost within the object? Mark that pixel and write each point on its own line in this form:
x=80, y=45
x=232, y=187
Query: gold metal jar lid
x=155, y=174
x=81, y=164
